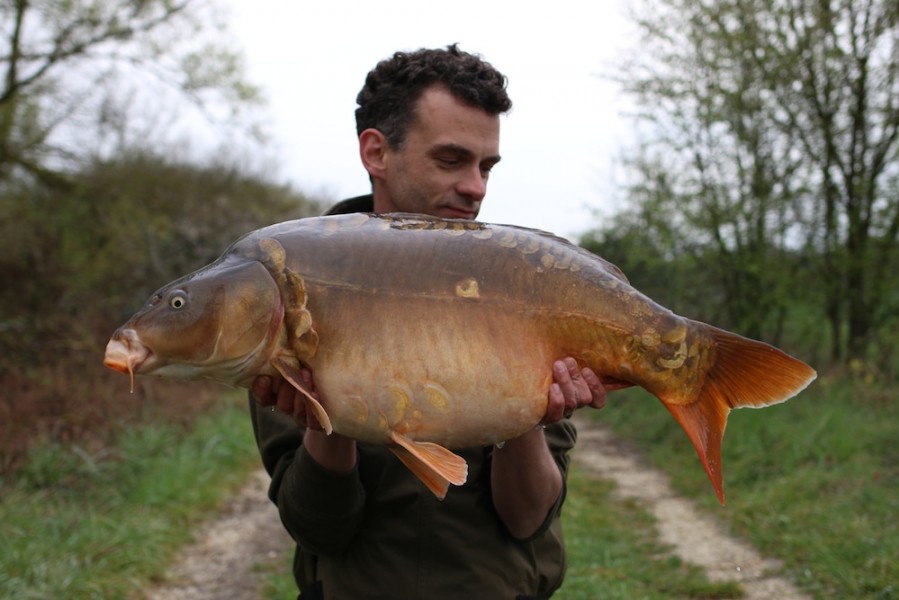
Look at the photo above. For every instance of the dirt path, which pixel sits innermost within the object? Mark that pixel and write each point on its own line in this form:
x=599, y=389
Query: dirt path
x=694, y=536
x=228, y=559
x=225, y=561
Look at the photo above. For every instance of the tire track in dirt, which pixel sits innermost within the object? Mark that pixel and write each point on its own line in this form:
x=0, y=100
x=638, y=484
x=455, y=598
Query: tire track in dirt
x=694, y=536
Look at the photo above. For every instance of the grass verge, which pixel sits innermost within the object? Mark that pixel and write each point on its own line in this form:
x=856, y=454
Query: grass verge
x=813, y=482
x=103, y=525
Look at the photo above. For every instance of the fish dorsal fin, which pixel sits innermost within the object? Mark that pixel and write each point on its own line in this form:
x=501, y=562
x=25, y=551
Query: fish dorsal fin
x=290, y=370
x=434, y=465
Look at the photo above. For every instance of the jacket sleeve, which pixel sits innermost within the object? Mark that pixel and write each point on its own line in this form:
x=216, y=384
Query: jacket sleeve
x=560, y=437
x=320, y=509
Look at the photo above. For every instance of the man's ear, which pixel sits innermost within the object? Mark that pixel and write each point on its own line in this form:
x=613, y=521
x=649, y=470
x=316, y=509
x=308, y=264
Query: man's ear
x=372, y=150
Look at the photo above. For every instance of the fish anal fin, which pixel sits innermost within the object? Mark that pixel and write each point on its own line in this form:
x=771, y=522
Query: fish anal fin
x=704, y=423
x=290, y=370
x=433, y=464
x=744, y=373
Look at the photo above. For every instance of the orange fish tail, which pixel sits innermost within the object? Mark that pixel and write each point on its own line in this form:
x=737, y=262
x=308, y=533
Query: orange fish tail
x=745, y=373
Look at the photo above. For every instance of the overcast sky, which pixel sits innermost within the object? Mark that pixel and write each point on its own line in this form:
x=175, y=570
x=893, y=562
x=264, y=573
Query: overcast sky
x=559, y=144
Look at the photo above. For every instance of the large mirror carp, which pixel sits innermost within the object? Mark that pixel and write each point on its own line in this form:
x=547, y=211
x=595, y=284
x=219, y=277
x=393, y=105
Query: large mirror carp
x=428, y=334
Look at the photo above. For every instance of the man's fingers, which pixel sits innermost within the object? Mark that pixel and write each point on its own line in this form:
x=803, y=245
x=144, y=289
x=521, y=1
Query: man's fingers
x=566, y=386
x=286, y=395
x=597, y=391
x=555, y=407
x=262, y=390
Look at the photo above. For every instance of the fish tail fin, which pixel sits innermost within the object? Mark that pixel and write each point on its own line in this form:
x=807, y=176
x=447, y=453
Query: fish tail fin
x=745, y=373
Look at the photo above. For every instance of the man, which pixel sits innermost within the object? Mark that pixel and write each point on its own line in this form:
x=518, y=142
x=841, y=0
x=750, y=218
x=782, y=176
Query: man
x=365, y=527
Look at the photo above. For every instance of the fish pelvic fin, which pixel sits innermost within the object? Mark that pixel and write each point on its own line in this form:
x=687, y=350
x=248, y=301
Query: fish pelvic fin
x=291, y=372
x=433, y=464
x=745, y=373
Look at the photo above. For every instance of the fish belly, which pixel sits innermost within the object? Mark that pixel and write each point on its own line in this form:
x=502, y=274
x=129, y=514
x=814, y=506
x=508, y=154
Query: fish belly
x=459, y=374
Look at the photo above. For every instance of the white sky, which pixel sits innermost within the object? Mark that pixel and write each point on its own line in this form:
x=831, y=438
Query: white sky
x=559, y=143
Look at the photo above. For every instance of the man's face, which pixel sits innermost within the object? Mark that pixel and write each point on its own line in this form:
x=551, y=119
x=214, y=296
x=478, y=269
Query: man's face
x=443, y=165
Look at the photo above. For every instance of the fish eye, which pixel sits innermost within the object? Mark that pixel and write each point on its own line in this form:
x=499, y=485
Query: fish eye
x=178, y=301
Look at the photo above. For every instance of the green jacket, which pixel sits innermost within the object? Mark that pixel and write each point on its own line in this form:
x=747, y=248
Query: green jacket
x=377, y=532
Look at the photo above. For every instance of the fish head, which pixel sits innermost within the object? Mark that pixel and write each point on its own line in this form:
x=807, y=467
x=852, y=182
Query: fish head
x=221, y=322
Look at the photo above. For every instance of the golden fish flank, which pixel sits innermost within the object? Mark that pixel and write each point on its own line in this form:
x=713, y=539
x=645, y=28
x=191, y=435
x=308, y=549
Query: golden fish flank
x=373, y=335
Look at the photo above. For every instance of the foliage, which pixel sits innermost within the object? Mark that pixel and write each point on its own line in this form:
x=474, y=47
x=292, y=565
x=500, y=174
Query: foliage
x=86, y=258
x=127, y=227
x=772, y=128
x=813, y=482
x=87, y=524
x=88, y=76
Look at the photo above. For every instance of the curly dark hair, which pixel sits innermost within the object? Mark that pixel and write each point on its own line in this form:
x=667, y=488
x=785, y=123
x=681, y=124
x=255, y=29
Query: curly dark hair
x=393, y=87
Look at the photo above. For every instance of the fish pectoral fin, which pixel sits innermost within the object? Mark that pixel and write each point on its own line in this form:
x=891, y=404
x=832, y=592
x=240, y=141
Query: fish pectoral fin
x=433, y=464
x=291, y=372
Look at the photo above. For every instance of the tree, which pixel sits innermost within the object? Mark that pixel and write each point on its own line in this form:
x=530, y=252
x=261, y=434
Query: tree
x=78, y=75
x=777, y=122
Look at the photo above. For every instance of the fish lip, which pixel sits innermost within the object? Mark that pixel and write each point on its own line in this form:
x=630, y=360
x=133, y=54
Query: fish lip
x=126, y=354
x=123, y=361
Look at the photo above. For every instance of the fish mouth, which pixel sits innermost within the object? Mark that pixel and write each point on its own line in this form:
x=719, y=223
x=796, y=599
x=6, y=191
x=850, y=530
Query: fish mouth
x=125, y=353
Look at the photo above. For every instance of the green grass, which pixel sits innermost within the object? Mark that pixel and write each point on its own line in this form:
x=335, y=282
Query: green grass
x=103, y=525
x=813, y=482
x=279, y=583
x=614, y=552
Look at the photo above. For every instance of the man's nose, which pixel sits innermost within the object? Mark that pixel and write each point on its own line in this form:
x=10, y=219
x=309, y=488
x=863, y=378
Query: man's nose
x=473, y=184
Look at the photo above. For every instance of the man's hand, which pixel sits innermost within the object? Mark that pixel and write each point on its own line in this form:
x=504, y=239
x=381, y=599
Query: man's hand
x=572, y=388
x=276, y=392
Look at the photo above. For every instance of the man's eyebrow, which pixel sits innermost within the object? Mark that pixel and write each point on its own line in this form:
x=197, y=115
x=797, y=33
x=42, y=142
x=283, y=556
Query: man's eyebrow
x=459, y=150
